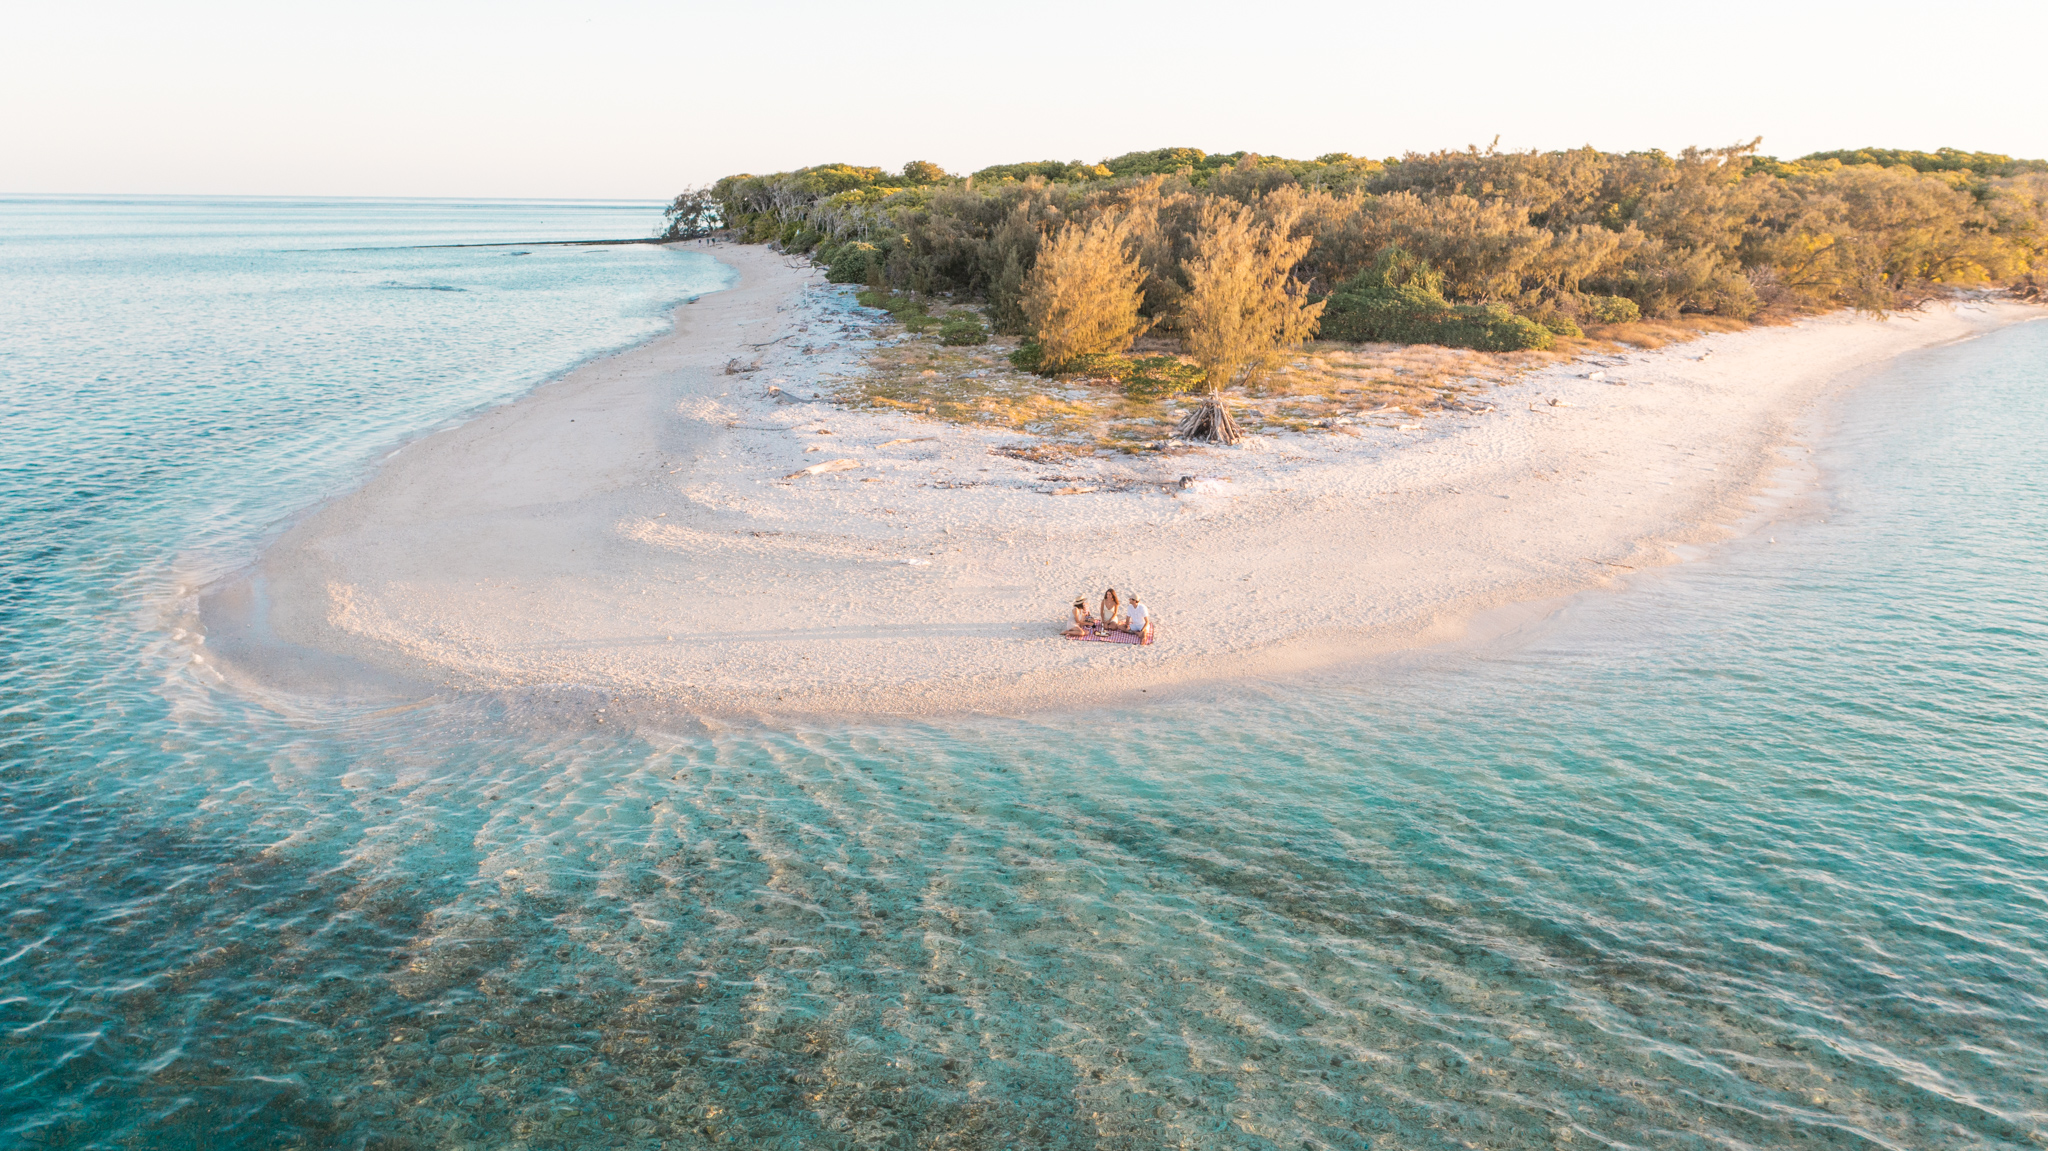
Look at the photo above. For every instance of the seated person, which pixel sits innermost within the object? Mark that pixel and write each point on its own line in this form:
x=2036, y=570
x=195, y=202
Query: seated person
x=1112, y=609
x=1082, y=620
x=1139, y=618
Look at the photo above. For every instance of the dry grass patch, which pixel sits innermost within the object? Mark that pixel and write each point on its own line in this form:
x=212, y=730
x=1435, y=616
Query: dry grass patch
x=1647, y=334
x=976, y=385
x=1329, y=386
x=970, y=385
x=1038, y=453
x=1333, y=384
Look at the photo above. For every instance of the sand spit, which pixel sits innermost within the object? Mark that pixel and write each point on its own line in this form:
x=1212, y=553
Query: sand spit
x=668, y=526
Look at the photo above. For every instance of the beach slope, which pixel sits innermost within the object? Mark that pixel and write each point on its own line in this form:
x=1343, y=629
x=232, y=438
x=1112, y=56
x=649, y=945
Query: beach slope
x=653, y=524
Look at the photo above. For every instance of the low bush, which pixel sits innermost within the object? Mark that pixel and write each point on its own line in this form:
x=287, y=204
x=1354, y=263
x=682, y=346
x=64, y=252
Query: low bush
x=959, y=329
x=1609, y=310
x=1157, y=377
x=906, y=308
x=1567, y=313
x=853, y=263
x=1663, y=283
x=1399, y=300
x=1141, y=377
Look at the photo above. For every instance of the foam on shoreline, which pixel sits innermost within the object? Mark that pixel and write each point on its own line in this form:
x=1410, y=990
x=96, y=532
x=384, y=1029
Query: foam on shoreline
x=631, y=529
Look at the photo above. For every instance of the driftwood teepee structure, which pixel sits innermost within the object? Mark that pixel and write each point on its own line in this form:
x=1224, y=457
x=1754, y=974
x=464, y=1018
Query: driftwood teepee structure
x=1209, y=420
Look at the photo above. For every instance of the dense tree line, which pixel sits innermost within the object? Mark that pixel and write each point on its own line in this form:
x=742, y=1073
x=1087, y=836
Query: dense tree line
x=1547, y=239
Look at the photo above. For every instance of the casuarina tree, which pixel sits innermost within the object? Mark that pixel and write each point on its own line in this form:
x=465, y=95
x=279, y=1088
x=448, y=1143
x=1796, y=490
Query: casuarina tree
x=1243, y=307
x=1082, y=296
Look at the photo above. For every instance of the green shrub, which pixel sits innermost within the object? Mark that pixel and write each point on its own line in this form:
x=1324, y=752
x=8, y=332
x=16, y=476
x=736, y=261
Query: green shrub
x=893, y=302
x=1609, y=310
x=1663, y=283
x=907, y=309
x=1006, y=297
x=796, y=236
x=959, y=329
x=851, y=263
x=1142, y=377
x=1400, y=300
x=1157, y=377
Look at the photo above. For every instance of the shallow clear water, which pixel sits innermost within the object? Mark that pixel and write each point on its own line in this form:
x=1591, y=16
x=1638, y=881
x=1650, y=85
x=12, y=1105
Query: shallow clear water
x=1752, y=854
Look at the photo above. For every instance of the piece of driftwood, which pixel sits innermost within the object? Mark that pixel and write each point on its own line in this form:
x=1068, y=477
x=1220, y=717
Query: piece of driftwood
x=1036, y=453
x=1210, y=420
x=827, y=466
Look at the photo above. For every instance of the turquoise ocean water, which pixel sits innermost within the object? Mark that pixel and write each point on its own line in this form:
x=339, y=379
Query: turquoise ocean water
x=1752, y=854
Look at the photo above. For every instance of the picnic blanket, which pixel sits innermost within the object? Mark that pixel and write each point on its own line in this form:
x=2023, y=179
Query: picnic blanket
x=1097, y=636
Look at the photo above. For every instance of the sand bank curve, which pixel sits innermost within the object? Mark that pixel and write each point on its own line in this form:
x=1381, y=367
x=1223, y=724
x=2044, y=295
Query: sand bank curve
x=632, y=527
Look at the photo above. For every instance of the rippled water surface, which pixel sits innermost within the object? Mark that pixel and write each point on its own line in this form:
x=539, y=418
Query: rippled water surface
x=1754, y=854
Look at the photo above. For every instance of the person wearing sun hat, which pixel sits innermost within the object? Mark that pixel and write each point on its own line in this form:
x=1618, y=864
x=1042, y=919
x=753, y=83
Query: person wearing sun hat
x=1082, y=620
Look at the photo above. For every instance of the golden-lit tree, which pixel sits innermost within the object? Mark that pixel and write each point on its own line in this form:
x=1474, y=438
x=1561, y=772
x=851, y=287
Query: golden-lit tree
x=1082, y=296
x=1243, y=306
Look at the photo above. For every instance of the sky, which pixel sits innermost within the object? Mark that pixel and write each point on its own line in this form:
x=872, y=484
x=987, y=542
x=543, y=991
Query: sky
x=621, y=99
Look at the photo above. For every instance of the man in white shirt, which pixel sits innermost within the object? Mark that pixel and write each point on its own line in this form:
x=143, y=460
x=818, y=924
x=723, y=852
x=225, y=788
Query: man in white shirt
x=1137, y=614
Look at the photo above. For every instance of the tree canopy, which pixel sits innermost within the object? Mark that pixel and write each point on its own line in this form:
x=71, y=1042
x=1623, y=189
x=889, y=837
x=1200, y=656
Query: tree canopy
x=1553, y=237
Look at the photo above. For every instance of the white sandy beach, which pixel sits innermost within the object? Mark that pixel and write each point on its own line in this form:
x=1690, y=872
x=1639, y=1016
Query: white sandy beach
x=628, y=529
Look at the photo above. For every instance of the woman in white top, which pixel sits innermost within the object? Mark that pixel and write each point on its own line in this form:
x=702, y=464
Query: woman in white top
x=1112, y=614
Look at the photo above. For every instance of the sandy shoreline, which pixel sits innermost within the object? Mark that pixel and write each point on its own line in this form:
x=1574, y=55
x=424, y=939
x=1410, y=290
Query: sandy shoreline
x=628, y=528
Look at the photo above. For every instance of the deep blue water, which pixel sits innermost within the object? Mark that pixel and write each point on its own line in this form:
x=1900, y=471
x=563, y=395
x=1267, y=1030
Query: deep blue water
x=1753, y=853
